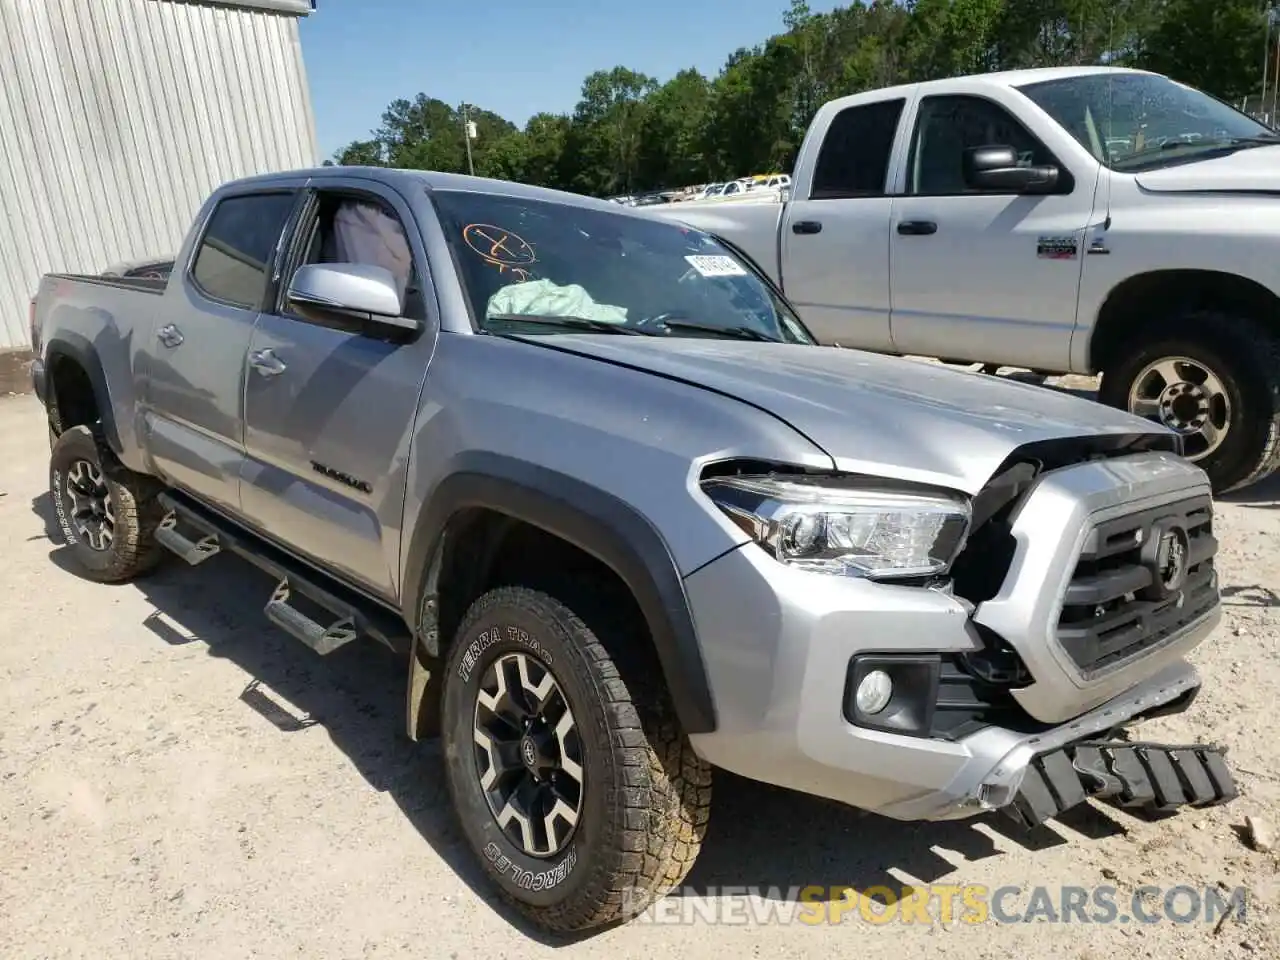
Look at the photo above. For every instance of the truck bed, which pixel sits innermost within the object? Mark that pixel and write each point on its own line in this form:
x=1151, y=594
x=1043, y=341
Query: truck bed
x=144, y=284
x=753, y=227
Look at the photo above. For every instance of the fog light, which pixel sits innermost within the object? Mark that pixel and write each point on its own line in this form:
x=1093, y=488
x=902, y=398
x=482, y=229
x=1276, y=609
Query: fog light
x=874, y=692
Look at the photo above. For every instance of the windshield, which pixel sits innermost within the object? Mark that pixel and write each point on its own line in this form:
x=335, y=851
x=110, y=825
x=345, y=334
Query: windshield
x=1137, y=121
x=600, y=270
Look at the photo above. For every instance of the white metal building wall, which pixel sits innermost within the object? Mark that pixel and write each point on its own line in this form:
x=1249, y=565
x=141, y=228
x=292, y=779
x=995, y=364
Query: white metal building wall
x=118, y=118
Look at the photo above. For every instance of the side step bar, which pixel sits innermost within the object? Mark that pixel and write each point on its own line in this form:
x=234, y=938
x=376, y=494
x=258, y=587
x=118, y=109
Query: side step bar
x=1154, y=777
x=352, y=613
x=290, y=619
x=192, y=551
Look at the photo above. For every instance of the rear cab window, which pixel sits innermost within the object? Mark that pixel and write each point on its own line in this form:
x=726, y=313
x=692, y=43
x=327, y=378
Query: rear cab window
x=232, y=263
x=855, y=154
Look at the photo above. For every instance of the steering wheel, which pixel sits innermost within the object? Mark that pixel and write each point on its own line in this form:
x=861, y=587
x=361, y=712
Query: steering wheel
x=657, y=322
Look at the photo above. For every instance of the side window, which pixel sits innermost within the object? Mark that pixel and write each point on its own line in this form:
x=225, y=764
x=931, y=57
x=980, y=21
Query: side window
x=947, y=127
x=854, y=159
x=234, y=258
x=351, y=229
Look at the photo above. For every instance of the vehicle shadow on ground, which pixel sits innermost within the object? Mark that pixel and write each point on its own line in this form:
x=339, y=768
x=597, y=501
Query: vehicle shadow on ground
x=786, y=846
x=1264, y=495
x=770, y=841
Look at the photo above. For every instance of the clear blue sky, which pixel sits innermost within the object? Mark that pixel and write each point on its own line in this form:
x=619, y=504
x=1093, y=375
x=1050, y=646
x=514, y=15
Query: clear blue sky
x=515, y=57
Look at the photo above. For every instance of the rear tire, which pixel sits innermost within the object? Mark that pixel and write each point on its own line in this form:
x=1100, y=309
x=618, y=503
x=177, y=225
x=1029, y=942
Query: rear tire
x=1220, y=388
x=637, y=795
x=107, y=513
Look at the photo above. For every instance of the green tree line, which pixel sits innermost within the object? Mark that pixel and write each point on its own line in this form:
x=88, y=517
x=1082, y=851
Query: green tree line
x=629, y=132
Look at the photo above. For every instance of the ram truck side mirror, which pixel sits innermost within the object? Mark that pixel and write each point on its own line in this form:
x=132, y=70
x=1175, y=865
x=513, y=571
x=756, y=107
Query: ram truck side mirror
x=363, y=291
x=996, y=169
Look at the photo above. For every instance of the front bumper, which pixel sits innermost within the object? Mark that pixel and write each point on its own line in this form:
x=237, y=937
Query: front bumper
x=779, y=646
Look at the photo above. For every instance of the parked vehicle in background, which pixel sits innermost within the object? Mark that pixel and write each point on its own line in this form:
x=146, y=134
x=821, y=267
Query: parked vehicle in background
x=624, y=519
x=770, y=181
x=648, y=199
x=1066, y=220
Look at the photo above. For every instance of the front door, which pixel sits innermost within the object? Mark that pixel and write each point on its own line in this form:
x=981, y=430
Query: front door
x=195, y=372
x=329, y=406
x=979, y=276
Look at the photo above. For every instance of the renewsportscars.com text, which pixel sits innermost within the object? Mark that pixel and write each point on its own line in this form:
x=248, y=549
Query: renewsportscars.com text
x=947, y=903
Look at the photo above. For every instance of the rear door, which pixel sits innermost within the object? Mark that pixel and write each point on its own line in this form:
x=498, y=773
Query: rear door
x=193, y=391
x=835, y=234
x=330, y=403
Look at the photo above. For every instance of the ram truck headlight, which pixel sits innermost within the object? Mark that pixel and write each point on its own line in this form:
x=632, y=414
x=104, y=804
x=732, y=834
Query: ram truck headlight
x=844, y=526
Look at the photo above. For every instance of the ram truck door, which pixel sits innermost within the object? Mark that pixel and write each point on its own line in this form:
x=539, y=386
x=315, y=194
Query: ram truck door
x=330, y=402
x=979, y=275
x=834, y=239
x=195, y=358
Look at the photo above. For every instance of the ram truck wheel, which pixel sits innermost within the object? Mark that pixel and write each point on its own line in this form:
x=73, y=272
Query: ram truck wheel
x=1213, y=378
x=572, y=781
x=106, y=513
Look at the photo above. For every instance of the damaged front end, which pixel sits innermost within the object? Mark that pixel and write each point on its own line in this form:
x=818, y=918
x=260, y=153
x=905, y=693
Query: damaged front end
x=1150, y=777
x=1091, y=578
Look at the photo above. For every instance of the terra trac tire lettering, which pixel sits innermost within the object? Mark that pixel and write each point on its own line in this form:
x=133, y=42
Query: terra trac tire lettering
x=477, y=647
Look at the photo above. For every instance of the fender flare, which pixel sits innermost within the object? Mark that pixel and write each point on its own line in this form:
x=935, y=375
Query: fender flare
x=590, y=519
x=74, y=347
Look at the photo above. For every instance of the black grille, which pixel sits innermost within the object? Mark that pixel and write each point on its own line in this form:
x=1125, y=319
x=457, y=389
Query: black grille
x=1117, y=606
x=968, y=703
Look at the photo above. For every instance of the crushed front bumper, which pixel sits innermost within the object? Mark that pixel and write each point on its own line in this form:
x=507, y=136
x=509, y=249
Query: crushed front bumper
x=779, y=645
x=1149, y=776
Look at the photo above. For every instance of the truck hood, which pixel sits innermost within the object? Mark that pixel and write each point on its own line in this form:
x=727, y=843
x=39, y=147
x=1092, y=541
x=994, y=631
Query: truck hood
x=872, y=414
x=1252, y=170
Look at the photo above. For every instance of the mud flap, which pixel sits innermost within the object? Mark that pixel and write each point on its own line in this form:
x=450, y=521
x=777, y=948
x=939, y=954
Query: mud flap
x=1148, y=776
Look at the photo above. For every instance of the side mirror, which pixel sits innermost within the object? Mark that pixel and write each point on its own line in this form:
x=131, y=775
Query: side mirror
x=360, y=290
x=996, y=169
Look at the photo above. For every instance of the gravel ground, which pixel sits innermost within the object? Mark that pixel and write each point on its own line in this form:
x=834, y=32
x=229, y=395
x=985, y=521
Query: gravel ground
x=178, y=779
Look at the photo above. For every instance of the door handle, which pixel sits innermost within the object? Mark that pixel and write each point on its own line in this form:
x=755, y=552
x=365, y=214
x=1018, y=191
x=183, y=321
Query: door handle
x=917, y=228
x=169, y=335
x=266, y=363
x=806, y=226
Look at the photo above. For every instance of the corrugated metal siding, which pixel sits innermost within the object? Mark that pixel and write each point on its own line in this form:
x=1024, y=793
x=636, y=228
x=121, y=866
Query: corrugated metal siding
x=118, y=118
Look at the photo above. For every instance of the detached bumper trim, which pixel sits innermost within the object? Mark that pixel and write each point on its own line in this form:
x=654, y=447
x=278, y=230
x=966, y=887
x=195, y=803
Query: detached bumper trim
x=1148, y=776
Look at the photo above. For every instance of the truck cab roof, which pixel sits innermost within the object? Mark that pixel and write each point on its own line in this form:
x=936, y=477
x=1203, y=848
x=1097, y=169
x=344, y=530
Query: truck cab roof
x=1001, y=78
x=431, y=179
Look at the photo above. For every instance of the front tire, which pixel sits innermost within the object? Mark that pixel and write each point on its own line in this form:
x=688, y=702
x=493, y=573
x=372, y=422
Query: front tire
x=1215, y=379
x=107, y=514
x=579, y=822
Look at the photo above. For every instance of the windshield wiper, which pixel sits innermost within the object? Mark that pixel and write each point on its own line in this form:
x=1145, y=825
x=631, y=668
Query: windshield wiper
x=1226, y=143
x=740, y=333
x=1263, y=139
x=575, y=323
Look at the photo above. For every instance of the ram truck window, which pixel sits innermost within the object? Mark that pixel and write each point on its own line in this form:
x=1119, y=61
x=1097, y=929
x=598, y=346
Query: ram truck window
x=628, y=524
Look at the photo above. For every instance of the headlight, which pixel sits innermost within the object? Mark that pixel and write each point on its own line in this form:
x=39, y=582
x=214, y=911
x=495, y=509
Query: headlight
x=842, y=526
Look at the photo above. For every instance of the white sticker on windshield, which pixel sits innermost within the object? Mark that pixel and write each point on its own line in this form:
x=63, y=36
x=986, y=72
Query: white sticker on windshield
x=717, y=266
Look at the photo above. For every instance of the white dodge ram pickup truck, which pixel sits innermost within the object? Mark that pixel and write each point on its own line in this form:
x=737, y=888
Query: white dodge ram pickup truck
x=1066, y=220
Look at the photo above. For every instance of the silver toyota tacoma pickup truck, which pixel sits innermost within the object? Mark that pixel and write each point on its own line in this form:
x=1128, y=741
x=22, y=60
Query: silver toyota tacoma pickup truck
x=627, y=522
